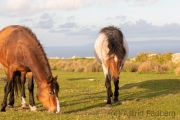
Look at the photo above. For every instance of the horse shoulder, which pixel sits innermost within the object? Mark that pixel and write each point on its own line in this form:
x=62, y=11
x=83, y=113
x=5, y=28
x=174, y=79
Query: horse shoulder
x=99, y=46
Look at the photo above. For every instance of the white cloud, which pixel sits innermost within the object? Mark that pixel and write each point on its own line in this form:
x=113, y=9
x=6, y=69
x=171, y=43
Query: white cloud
x=45, y=24
x=46, y=21
x=71, y=18
x=136, y=2
x=28, y=7
x=120, y=18
x=17, y=5
x=68, y=25
x=106, y=2
x=142, y=2
x=23, y=20
x=146, y=31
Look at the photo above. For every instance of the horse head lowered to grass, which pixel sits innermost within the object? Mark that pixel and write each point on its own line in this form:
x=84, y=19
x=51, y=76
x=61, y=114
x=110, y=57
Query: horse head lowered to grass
x=111, y=50
x=21, y=51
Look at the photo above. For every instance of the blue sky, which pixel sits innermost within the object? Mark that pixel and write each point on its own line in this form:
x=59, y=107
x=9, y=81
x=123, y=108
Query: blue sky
x=77, y=22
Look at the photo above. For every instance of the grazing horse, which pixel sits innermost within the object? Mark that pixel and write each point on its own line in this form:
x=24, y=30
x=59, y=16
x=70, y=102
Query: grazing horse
x=21, y=52
x=111, y=50
x=21, y=80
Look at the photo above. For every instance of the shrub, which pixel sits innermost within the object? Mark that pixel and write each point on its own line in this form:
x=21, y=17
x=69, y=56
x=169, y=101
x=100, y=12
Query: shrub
x=152, y=66
x=146, y=66
x=162, y=58
x=129, y=66
x=177, y=71
x=142, y=57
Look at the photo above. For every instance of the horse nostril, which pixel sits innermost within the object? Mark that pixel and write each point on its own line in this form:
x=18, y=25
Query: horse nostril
x=52, y=111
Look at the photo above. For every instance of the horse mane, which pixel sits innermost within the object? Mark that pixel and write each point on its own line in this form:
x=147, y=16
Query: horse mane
x=115, y=41
x=39, y=50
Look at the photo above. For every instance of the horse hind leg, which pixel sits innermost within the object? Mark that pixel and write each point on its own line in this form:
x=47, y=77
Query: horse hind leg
x=11, y=98
x=7, y=90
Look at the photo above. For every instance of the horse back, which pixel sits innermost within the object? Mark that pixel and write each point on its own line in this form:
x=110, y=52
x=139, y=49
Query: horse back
x=10, y=44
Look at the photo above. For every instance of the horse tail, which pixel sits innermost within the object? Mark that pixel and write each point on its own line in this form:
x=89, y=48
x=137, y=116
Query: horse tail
x=115, y=39
x=17, y=82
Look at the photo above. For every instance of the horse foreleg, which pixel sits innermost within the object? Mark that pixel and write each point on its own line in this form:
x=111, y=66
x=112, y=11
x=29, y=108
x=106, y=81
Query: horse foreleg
x=109, y=91
x=116, y=93
x=23, y=80
x=31, y=92
x=7, y=90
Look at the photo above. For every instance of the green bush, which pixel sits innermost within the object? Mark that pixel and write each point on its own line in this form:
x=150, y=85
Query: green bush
x=130, y=66
x=177, y=71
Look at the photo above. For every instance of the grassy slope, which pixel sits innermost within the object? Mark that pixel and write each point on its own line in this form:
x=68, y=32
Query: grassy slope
x=142, y=96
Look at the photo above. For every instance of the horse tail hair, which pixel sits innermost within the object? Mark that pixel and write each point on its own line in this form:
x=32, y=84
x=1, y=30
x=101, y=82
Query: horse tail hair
x=17, y=82
x=115, y=40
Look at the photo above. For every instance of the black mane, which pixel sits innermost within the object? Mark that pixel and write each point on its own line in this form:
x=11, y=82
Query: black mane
x=39, y=50
x=115, y=41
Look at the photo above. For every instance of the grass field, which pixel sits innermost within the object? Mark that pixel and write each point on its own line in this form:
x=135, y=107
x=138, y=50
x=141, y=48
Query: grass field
x=146, y=96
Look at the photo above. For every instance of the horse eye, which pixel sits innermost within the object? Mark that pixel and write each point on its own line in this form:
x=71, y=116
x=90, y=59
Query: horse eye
x=50, y=92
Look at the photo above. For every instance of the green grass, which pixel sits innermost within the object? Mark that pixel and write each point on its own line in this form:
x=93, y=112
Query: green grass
x=146, y=96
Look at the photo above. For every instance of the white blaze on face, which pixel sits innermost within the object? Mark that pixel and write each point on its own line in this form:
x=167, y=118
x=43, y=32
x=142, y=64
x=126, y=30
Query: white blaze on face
x=116, y=62
x=115, y=59
x=58, y=104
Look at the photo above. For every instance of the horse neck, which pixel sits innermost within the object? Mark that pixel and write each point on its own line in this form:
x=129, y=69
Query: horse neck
x=40, y=75
x=40, y=68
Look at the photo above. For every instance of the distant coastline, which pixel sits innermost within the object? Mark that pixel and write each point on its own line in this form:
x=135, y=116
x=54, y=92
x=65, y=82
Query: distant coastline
x=135, y=47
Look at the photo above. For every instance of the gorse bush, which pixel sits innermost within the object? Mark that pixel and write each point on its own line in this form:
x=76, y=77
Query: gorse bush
x=159, y=58
x=177, y=70
x=130, y=66
x=76, y=65
x=142, y=57
x=143, y=62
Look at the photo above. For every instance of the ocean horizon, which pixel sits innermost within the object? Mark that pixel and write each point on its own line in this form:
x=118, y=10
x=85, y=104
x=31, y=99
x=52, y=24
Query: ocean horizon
x=135, y=47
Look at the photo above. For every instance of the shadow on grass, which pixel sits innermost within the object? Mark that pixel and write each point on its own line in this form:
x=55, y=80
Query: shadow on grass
x=146, y=89
x=149, y=88
x=88, y=100
x=78, y=79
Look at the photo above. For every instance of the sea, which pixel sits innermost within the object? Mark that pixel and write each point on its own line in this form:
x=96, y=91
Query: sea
x=135, y=47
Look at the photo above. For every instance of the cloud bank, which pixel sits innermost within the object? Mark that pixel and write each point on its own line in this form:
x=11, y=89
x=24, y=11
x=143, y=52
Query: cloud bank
x=30, y=7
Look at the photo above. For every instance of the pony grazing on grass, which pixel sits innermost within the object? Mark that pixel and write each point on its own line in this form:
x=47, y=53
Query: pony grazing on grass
x=20, y=51
x=111, y=50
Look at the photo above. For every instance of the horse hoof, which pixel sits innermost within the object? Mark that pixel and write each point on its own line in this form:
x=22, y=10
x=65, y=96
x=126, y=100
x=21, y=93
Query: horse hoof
x=23, y=105
x=10, y=106
x=108, y=106
x=116, y=100
x=33, y=108
x=3, y=110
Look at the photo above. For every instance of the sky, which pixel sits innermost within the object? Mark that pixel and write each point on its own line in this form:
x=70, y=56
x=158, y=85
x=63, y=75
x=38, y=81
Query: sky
x=78, y=22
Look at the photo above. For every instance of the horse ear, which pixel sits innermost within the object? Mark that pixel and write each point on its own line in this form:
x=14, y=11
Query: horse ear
x=55, y=78
x=50, y=78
